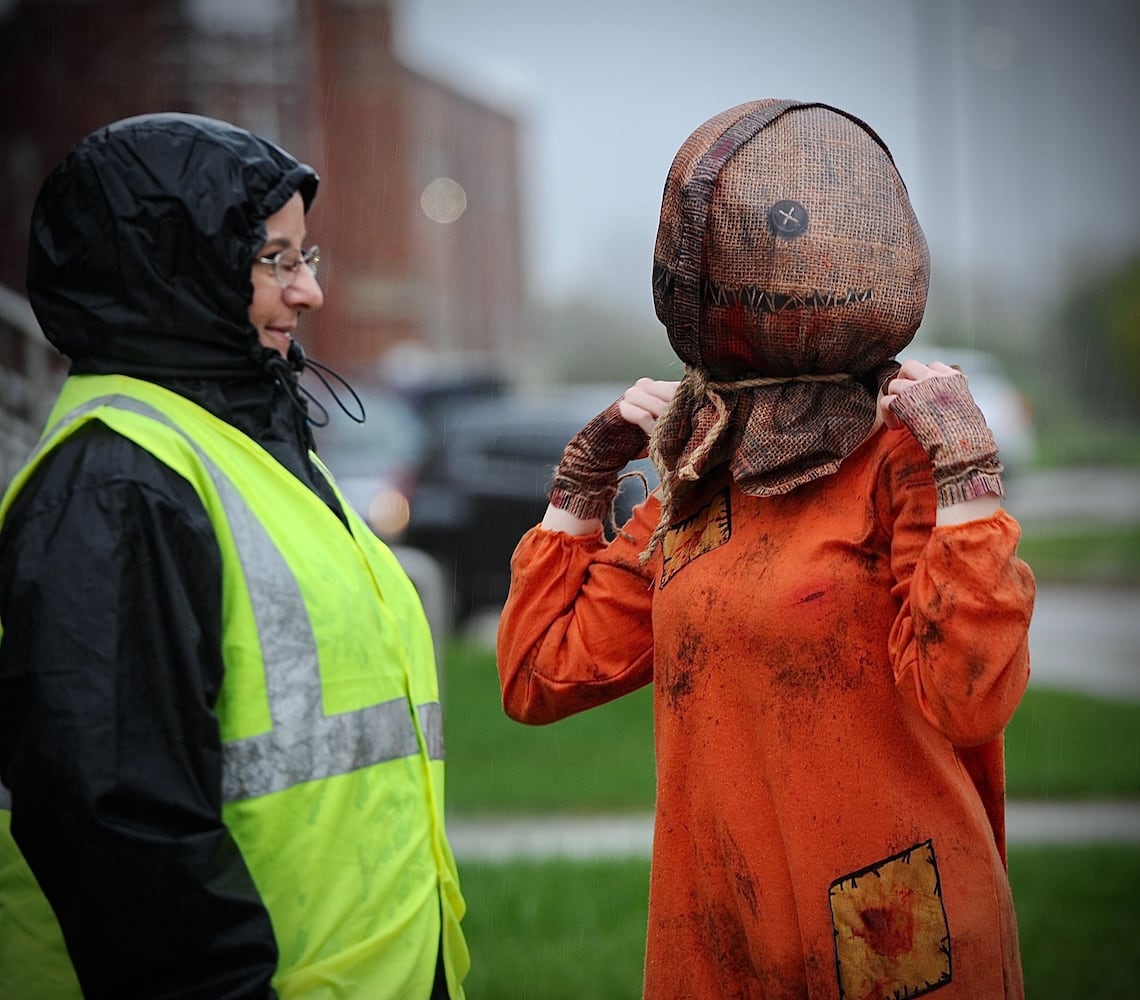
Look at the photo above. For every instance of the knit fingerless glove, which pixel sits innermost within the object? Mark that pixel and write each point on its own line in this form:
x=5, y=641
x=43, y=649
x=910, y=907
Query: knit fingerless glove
x=586, y=480
x=945, y=420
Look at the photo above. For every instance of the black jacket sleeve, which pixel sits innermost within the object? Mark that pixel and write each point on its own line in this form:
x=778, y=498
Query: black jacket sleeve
x=110, y=666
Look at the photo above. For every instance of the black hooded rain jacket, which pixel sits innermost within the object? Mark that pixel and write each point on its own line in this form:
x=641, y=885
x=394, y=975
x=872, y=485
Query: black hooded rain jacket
x=112, y=751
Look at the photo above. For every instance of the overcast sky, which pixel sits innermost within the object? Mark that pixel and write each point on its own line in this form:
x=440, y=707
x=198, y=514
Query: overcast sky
x=1012, y=121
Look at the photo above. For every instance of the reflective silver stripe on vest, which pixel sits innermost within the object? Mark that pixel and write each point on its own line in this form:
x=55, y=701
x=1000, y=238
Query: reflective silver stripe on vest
x=304, y=743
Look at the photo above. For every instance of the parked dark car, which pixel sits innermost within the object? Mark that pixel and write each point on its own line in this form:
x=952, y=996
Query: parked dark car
x=488, y=482
x=377, y=463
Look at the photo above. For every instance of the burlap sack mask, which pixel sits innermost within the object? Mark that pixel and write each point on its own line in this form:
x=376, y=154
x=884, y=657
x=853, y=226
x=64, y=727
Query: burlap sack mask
x=789, y=270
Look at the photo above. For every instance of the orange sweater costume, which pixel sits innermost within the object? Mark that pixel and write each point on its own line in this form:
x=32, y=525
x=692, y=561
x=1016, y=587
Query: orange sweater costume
x=832, y=678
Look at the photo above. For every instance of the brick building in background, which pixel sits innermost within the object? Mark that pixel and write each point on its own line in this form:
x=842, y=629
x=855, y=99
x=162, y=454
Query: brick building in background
x=404, y=260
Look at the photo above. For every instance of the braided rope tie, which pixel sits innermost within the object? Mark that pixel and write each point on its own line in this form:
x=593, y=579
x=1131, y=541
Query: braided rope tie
x=700, y=377
x=696, y=386
x=700, y=385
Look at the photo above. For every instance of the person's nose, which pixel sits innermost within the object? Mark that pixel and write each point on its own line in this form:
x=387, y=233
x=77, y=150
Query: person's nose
x=305, y=292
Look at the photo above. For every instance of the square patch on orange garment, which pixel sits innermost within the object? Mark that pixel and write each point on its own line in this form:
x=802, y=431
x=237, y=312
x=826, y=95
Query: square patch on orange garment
x=891, y=936
x=697, y=534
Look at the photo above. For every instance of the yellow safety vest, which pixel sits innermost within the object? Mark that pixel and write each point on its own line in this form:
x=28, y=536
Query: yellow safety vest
x=332, y=741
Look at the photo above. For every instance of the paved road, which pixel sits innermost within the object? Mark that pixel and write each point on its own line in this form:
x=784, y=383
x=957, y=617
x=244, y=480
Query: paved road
x=1087, y=639
x=1083, y=638
x=1076, y=496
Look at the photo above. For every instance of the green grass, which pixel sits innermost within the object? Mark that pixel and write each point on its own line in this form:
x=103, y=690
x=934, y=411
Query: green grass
x=1078, y=920
x=557, y=930
x=565, y=930
x=1066, y=441
x=1107, y=554
x=1060, y=745
x=599, y=761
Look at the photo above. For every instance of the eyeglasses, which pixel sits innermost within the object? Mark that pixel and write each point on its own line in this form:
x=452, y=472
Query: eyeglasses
x=287, y=263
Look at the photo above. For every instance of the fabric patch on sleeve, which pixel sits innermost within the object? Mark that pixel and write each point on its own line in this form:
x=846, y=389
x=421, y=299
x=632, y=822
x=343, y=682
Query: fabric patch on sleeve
x=699, y=533
x=889, y=922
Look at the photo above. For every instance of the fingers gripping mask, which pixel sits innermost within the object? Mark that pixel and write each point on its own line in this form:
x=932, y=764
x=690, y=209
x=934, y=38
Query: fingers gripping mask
x=789, y=269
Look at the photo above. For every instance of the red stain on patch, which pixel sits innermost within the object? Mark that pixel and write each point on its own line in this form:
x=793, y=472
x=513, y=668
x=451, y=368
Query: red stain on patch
x=888, y=931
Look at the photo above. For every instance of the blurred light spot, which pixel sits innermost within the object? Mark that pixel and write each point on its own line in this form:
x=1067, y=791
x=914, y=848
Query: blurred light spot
x=443, y=200
x=994, y=48
x=389, y=512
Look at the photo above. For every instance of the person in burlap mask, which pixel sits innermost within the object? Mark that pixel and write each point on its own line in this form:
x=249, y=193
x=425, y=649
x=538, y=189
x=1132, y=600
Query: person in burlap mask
x=824, y=589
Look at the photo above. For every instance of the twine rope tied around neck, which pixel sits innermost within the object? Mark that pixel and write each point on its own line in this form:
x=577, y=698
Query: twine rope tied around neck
x=696, y=387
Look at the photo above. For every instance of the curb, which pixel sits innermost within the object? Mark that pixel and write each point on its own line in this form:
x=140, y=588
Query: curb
x=588, y=837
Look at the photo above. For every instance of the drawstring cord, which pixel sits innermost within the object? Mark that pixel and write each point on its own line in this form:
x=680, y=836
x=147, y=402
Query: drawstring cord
x=297, y=362
x=300, y=361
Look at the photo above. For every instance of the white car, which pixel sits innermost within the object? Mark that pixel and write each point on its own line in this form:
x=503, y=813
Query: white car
x=1004, y=405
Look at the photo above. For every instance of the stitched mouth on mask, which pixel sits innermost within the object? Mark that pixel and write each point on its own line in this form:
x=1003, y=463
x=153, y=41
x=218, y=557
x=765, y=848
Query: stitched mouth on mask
x=761, y=300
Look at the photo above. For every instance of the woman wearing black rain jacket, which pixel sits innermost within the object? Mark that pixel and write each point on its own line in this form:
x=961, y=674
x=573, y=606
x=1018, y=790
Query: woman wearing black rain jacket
x=220, y=737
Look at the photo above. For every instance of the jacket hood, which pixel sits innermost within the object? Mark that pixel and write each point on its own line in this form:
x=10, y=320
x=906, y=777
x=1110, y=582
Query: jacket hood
x=142, y=243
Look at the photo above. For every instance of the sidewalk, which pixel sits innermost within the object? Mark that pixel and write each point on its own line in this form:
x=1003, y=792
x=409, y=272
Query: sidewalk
x=579, y=838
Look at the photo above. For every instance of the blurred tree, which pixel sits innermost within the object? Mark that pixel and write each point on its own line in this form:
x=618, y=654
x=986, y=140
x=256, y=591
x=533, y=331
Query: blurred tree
x=1098, y=341
x=584, y=341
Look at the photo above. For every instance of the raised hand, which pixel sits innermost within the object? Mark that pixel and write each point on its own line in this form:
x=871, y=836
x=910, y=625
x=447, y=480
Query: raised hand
x=586, y=480
x=934, y=403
